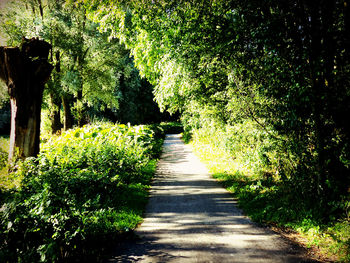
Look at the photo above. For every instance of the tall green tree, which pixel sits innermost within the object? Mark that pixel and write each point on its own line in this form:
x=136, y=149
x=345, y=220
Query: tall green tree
x=92, y=73
x=282, y=64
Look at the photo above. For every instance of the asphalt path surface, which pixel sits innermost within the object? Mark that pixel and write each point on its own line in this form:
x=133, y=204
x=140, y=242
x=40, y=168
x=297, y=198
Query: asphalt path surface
x=191, y=218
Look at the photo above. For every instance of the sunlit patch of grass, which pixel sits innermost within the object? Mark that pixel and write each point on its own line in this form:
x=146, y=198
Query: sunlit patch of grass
x=333, y=240
x=217, y=160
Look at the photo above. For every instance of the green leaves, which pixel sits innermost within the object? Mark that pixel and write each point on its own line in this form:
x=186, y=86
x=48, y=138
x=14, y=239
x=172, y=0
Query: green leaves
x=275, y=64
x=86, y=188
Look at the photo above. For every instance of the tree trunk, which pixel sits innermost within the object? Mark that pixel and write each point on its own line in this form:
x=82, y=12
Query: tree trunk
x=319, y=112
x=25, y=70
x=81, y=119
x=68, y=117
x=55, y=115
x=56, y=101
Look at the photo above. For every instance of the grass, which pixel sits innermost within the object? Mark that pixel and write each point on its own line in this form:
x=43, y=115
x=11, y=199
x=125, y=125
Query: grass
x=271, y=202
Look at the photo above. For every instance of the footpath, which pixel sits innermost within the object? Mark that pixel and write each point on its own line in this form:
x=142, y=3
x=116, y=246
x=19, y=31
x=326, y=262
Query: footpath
x=191, y=218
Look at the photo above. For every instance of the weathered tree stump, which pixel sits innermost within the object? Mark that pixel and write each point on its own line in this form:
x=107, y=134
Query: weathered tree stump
x=25, y=70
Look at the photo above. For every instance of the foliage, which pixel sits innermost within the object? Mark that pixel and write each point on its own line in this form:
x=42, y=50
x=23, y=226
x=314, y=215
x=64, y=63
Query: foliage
x=85, y=190
x=283, y=66
x=5, y=113
x=268, y=80
x=171, y=127
x=267, y=199
x=95, y=74
x=4, y=149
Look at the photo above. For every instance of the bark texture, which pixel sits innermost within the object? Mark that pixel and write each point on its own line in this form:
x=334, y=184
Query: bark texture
x=68, y=116
x=55, y=115
x=25, y=70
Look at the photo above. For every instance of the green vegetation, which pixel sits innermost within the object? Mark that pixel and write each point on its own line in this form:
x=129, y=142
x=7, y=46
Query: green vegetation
x=94, y=76
x=171, y=127
x=263, y=86
x=85, y=190
x=5, y=114
x=4, y=149
x=267, y=81
x=234, y=159
x=226, y=63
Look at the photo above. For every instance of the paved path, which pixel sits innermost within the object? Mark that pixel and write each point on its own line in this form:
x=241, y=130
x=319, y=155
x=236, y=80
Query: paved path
x=190, y=218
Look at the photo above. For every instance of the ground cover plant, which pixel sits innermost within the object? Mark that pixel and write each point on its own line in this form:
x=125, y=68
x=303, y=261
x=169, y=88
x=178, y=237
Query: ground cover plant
x=239, y=158
x=4, y=148
x=86, y=189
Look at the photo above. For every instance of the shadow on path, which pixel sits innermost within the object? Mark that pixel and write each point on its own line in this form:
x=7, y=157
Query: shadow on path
x=190, y=218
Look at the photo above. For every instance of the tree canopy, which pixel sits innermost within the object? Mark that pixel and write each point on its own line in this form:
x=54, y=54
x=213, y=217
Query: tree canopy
x=91, y=70
x=282, y=64
x=261, y=87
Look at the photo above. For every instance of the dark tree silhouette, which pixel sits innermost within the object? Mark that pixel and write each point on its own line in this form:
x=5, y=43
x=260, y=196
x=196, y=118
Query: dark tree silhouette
x=25, y=70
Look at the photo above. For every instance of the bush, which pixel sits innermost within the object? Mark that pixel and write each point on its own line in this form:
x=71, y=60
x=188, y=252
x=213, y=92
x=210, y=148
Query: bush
x=265, y=180
x=4, y=149
x=3, y=158
x=172, y=127
x=86, y=189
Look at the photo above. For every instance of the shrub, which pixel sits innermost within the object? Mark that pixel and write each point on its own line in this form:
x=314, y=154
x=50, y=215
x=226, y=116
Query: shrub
x=172, y=127
x=263, y=176
x=86, y=189
x=4, y=148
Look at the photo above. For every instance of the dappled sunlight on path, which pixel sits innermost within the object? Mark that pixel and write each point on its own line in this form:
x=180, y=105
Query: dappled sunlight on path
x=190, y=218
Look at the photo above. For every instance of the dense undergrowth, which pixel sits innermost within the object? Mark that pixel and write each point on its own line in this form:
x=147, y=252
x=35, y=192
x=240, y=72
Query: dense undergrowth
x=85, y=191
x=242, y=158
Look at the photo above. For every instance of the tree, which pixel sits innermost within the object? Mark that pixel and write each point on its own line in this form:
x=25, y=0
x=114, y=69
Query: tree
x=93, y=74
x=282, y=64
x=25, y=70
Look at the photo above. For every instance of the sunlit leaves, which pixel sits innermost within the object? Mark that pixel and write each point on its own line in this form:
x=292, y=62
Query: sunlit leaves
x=86, y=188
x=231, y=61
